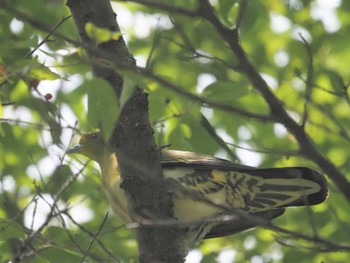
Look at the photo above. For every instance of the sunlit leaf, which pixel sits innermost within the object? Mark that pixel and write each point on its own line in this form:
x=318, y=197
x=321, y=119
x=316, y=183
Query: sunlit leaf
x=130, y=82
x=224, y=91
x=102, y=105
x=228, y=10
x=100, y=35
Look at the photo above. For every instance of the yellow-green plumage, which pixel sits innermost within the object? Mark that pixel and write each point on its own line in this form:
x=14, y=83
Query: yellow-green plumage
x=206, y=187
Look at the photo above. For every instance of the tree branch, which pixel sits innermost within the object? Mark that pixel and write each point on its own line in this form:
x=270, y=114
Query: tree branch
x=206, y=102
x=278, y=112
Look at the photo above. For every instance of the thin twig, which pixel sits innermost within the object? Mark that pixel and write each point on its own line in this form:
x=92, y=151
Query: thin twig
x=46, y=39
x=309, y=79
x=95, y=236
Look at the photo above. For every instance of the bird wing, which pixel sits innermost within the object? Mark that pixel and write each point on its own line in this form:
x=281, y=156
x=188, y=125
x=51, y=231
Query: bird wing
x=174, y=158
x=259, y=194
x=246, y=188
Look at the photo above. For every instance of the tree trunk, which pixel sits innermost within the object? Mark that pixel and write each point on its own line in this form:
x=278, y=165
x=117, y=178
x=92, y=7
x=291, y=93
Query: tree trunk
x=138, y=155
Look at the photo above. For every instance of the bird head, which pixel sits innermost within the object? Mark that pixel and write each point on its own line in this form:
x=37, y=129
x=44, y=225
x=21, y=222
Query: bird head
x=90, y=145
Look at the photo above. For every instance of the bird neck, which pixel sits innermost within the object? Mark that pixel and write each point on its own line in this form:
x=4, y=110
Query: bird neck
x=109, y=168
x=111, y=181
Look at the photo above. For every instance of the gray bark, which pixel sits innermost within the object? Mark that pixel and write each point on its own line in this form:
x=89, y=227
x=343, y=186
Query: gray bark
x=138, y=155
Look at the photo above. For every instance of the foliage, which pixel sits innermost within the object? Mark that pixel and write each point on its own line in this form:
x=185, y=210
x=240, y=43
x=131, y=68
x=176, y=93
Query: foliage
x=45, y=82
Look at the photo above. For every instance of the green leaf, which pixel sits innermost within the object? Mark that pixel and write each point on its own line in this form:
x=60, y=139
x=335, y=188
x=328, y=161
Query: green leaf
x=43, y=73
x=224, y=91
x=102, y=106
x=100, y=35
x=58, y=233
x=10, y=229
x=35, y=70
x=56, y=254
x=228, y=10
x=131, y=80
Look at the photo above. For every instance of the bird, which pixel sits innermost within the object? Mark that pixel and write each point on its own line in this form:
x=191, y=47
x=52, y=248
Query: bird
x=207, y=188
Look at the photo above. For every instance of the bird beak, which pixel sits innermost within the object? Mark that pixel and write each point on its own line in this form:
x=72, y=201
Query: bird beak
x=75, y=149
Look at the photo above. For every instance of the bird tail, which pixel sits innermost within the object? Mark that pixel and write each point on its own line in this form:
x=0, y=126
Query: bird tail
x=268, y=191
x=283, y=187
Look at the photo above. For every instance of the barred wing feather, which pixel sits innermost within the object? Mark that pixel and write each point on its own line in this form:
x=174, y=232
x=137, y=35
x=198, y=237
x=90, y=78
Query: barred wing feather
x=246, y=188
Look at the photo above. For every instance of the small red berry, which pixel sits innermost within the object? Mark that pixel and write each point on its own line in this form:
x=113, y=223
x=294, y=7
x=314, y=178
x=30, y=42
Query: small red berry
x=48, y=96
x=2, y=70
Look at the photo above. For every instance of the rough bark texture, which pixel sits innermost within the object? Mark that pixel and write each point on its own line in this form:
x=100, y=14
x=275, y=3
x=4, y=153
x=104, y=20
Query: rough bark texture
x=138, y=155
